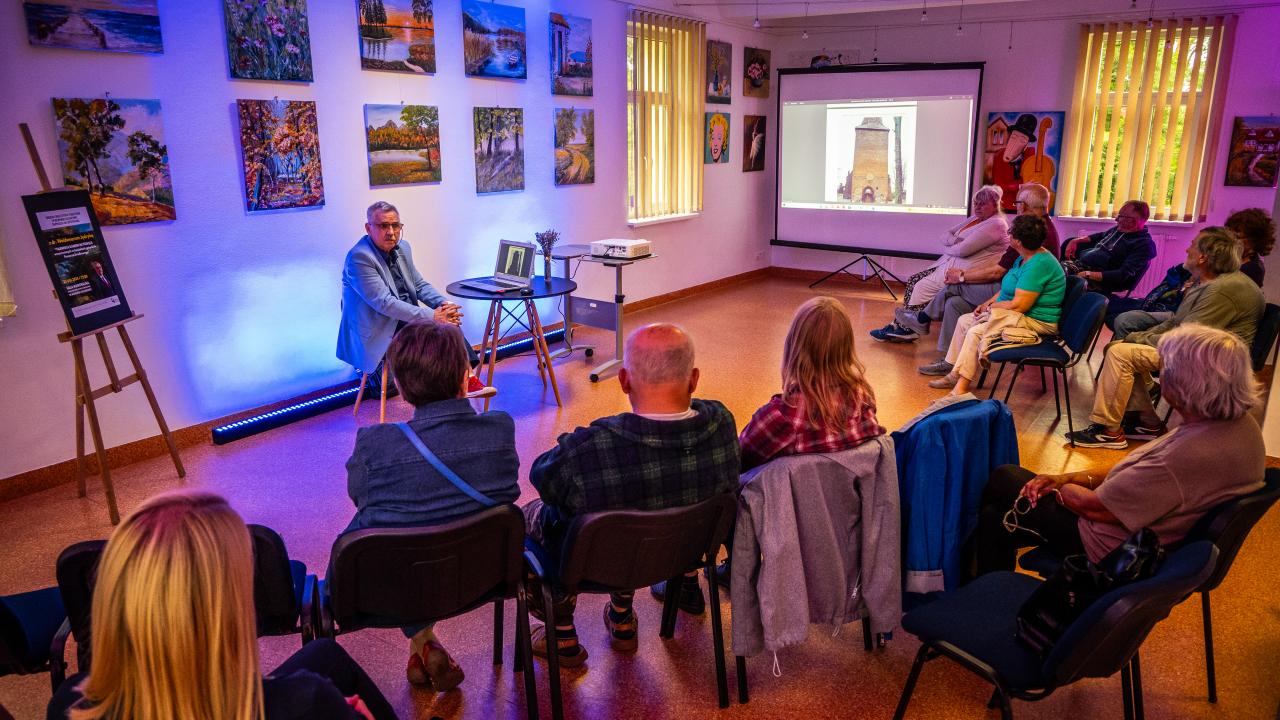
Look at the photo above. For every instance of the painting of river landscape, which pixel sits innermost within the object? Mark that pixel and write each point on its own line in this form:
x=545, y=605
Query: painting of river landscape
x=397, y=35
x=268, y=39
x=280, y=145
x=113, y=25
x=575, y=146
x=403, y=142
x=570, y=55
x=493, y=40
x=115, y=149
x=499, y=155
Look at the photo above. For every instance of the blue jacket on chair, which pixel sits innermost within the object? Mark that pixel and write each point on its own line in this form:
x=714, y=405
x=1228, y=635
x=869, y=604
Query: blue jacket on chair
x=945, y=456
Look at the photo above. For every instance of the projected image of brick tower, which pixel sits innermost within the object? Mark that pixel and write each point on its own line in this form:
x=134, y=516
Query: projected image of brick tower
x=869, y=180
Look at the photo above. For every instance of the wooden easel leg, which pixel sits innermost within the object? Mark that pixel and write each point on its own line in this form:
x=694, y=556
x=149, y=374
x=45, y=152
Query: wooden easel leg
x=151, y=398
x=77, y=350
x=382, y=406
x=360, y=395
x=495, y=307
x=81, y=471
x=540, y=340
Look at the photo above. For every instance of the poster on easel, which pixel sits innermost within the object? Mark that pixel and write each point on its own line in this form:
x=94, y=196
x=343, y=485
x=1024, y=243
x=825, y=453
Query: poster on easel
x=75, y=254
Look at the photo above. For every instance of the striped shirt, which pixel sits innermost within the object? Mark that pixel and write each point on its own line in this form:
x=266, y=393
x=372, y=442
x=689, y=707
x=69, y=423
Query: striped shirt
x=781, y=429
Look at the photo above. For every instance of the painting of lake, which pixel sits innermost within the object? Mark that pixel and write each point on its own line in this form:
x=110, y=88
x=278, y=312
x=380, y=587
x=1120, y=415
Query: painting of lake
x=113, y=25
x=397, y=35
x=570, y=55
x=493, y=40
x=403, y=142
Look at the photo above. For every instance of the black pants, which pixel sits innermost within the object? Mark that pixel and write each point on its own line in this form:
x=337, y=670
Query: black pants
x=329, y=660
x=996, y=547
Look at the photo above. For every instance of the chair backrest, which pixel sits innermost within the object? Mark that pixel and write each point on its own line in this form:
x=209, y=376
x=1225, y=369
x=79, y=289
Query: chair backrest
x=1076, y=287
x=274, y=594
x=77, y=572
x=389, y=577
x=1079, y=327
x=1228, y=524
x=1105, y=637
x=629, y=549
x=1264, y=338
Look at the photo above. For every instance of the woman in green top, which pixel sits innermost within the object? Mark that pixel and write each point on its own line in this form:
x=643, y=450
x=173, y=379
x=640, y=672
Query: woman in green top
x=1029, y=301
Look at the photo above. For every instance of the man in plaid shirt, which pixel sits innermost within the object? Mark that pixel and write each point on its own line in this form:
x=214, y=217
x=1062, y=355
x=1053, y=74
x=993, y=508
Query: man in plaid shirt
x=671, y=450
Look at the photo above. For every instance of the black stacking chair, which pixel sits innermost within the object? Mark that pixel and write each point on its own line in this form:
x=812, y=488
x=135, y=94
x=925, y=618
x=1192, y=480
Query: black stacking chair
x=975, y=626
x=392, y=577
x=77, y=571
x=280, y=586
x=28, y=623
x=623, y=550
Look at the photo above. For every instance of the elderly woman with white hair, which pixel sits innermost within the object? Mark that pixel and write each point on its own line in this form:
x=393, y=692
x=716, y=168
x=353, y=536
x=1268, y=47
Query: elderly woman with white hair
x=1216, y=454
x=978, y=240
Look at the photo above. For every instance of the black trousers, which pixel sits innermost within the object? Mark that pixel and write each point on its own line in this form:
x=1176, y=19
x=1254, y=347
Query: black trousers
x=329, y=660
x=997, y=548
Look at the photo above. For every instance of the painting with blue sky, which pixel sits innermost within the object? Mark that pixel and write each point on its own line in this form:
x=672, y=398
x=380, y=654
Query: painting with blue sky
x=570, y=55
x=397, y=35
x=113, y=25
x=493, y=40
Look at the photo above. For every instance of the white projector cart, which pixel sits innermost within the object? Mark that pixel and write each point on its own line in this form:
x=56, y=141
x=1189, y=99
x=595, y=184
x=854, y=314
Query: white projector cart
x=594, y=313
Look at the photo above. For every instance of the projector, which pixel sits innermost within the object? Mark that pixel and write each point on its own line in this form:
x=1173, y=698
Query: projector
x=621, y=248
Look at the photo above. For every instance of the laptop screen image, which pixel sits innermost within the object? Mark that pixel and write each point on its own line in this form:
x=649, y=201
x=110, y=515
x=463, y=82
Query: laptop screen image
x=515, y=261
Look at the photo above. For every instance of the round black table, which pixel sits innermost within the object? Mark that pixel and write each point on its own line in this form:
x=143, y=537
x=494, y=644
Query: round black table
x=540, y=288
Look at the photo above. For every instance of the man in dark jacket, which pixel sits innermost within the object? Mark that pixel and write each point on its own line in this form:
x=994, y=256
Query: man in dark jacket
x=671, y=450
x=1114, y=260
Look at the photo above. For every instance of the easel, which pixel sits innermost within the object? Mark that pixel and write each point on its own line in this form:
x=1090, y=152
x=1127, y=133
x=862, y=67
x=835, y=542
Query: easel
x=86, y=394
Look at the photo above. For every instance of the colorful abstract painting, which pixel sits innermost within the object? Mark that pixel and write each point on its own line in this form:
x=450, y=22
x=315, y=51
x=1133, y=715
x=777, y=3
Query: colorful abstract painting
x=115, y=149
x=755, y=72
x=403, y=142
x=575, y=146
x=716, y=133
x=397, y=35
x=493, y=40
x=499, y=154
x=1023, y=147
x=753, y=143
x=268, y=39
x=280, y=145
x=1255, y=151
x=719, y=72
x=112, y=25
x=570, y=55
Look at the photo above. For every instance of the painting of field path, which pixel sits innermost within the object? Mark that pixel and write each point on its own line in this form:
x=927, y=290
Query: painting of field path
x=575, y=146
x=493, y=40
x=397, y=35
x=115, y=149
x=403, y=142
x=570, y=55
x=268, y=39
x=280, y=145
x=499, y=155
x=113, y=25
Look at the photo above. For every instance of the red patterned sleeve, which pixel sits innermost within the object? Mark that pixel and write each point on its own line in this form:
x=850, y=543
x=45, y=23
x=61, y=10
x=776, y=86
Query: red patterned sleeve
x=769, y=432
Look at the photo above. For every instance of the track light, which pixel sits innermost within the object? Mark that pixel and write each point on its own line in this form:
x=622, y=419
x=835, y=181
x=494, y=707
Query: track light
x=804, y=35
x=960, y=24
x=756, y=23
x=924, y=11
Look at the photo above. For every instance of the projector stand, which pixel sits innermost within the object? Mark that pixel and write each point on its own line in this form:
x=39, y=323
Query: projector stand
x=875, y=268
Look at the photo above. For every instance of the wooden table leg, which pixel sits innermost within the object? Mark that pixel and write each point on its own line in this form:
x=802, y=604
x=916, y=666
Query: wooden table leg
x=81, y=471
x=540, y=340
x=537, y=349
x=151, y=398
x=78, y=351
x=495, y=309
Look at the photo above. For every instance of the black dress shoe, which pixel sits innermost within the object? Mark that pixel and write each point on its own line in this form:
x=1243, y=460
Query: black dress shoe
x=691, y=600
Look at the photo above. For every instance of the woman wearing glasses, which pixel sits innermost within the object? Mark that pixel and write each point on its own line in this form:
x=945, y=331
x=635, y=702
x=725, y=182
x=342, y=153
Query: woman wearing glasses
x=1216, y=454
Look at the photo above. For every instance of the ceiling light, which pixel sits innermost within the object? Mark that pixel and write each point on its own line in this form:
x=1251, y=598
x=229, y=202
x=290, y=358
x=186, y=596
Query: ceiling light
x=924, y=11
x=804, y=35
x=756, y=23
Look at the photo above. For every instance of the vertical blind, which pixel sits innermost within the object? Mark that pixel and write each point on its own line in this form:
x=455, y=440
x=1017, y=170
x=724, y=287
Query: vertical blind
x=665, y=66
x=1145, y=116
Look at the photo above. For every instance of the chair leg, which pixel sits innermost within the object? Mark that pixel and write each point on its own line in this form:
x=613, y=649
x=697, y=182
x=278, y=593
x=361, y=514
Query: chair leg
x=1137, y=686
x=1066, y=394
x=497, y=632
x=981, y=379
x=910, y=687
x=524, y=657
x=382, y=407
x=1208, y=646
x=867, y=643
x=1098, y=374
x=1057, y=404
x=1012, y=381
x=1126, y=690
x=996, y=383
x=364, y=377
x=741, y=668
x=670, y=606
x=717, y=634
x=1044, y=387
x=553, y=652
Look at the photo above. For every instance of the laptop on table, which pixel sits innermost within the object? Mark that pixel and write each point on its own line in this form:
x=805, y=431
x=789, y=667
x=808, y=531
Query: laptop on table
x=512, y=271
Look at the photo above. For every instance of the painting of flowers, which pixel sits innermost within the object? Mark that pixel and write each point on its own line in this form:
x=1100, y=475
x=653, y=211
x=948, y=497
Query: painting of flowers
x=499, y=157
x=115, y=149
x=719, y=72
x=493, y=40
x=575, y=146
x=716, y=132
x=268, y=39
x=755, y=72
x=280, y=145
x=113, y=25
x=397, y=35
x=570, y=55
x=403, y=142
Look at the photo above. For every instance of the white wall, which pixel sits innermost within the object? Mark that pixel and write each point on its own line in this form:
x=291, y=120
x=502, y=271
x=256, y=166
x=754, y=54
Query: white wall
x=1038, y=75
x=242, y=310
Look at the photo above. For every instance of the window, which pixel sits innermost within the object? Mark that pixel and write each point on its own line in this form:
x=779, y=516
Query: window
x=665, y=58
x=1145, y=117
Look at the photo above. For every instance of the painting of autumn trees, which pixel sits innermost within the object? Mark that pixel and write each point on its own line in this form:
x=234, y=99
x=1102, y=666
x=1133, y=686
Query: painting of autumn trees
x=115, y=149
x=280, y=144
x=499, y=152
x=403, y=142
x=268, y=39
x=575, y=146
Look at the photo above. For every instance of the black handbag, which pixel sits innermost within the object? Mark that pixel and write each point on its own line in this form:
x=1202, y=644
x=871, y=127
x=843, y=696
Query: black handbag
x=1077, y=583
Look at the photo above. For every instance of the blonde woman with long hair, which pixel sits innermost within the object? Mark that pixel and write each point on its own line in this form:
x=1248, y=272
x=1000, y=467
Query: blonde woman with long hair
x=174, y=630
x=826, y=403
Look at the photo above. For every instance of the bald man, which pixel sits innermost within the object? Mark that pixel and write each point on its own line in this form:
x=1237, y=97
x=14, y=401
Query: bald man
x=671, y=450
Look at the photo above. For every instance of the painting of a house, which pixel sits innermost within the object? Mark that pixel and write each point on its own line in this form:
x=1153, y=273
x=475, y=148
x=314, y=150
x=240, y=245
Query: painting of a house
x=1255, y=152
x=570, y=55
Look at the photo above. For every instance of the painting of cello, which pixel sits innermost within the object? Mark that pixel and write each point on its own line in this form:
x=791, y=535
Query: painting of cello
x=1023, y=147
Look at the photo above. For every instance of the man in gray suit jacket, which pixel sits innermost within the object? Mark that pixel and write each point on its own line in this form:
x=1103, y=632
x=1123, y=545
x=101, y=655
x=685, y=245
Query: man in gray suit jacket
x=381, y=290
